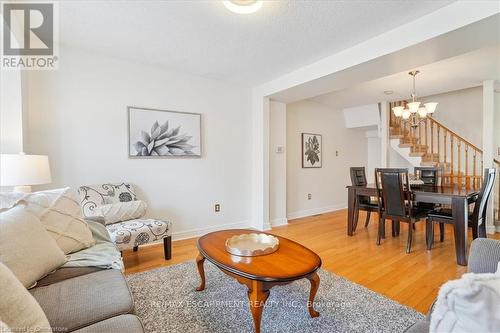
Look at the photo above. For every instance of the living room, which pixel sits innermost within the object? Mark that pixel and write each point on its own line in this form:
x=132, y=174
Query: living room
x=157, y=136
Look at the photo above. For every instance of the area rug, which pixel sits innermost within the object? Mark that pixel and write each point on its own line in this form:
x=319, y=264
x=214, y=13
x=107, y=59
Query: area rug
x=166, y=301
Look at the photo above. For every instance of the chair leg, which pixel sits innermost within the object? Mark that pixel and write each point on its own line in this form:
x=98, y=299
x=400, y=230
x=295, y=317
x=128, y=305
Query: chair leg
x=410, y=236
x=441, y=232
x=429, y=233
x=136, y=248
x=368, y=214
x=167, y=247
x=397, y=227
x=381, y=221
x=393, y=225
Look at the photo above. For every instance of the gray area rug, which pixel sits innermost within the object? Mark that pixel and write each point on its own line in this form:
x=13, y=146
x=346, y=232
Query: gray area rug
x=166, y=301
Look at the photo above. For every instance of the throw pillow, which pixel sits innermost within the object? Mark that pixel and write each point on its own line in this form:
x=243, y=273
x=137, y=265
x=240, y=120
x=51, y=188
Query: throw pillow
x=122, y=211
x=60, y=213
x=470, y=304
x=26, y=247
x=18, y=309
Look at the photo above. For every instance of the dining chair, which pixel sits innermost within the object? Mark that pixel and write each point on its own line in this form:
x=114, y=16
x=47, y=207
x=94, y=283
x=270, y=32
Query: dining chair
x=395, y=202
x=429, y=175
x=477, y=219
x=364, y=203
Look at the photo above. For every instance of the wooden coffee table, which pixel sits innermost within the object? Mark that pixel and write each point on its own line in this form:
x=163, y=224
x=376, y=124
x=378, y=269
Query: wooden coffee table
x=291, y=262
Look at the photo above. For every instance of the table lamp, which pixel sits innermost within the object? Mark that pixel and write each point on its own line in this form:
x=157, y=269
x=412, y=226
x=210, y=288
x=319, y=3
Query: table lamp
x=22, y=171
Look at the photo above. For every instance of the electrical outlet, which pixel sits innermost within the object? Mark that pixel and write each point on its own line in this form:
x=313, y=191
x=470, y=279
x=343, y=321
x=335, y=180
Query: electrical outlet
x=336, y=153
x=309, y=196
x=217, y=208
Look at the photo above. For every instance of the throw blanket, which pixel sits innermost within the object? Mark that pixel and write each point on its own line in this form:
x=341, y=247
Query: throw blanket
x=103, y=254
x=470, y=304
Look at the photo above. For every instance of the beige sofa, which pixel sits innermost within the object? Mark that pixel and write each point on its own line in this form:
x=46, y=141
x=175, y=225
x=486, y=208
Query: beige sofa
x=87, y=299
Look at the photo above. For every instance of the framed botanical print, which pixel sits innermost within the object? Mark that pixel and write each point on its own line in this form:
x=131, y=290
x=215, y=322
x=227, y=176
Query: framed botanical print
x=311, y=150
x=160, y=133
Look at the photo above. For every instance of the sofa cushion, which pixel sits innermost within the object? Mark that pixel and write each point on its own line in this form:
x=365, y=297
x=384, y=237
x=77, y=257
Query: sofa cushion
x=18, y=309
x=124, y=324
x=65, y=273
x=132, y=233
x=117, y=212
x=92, y=196
x=26, y=247
x=82, y=301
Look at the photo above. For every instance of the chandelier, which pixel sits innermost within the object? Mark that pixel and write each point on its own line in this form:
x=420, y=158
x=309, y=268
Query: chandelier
x=414, y=114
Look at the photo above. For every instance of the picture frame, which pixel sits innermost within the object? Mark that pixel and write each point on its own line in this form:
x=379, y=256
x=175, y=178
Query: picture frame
x=312, y=149
x=155, y=133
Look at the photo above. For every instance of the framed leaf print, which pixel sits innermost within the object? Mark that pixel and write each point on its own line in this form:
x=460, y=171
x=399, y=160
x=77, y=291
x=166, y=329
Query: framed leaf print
x=159, y=133
x=311, y=150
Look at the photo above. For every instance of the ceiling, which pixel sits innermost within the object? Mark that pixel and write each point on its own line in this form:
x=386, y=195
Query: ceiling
x=460, y=72
x=204, y=38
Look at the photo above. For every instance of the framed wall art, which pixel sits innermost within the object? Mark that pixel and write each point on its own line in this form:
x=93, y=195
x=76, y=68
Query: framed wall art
x=311, y=150
x=156, y=133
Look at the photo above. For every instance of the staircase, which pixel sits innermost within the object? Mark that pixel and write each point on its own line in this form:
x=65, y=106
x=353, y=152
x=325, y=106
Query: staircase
x=433, y=144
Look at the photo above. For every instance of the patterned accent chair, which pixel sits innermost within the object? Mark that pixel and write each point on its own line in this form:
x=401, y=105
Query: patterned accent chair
x=126, y=234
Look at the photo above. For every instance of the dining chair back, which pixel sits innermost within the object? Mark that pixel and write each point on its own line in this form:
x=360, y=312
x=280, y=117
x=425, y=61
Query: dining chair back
x=479, y=213
x=429, y=175
x=393, y=186
x=358, y=176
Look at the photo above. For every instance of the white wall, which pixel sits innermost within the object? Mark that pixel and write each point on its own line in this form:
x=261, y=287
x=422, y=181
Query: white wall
x=461, y=111
x=277, y=164
x=374, y=151
x=77, y=115
x=326, y=184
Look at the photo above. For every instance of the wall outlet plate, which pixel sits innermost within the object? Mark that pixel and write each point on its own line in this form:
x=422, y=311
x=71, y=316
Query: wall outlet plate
x=217, y=208
x=309, y=196
x=280, y=149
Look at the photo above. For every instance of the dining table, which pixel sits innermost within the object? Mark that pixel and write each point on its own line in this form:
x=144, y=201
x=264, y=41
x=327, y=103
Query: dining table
x=456, y=196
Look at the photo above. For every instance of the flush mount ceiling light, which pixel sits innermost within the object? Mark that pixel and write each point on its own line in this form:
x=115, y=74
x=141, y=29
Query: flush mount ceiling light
x=243, y=6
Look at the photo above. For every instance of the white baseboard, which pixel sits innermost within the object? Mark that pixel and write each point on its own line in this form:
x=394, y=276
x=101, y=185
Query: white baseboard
x=279, y=222
x=315, y=211
x=192, y=233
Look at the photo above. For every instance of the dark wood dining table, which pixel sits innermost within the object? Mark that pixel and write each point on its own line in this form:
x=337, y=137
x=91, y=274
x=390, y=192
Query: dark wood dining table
x=456, y=196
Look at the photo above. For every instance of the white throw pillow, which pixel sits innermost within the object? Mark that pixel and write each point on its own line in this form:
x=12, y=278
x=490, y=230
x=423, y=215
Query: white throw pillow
x=18, y=308
x=117, y=212
x=60, y=213
x=26, y=247
x=470, y=304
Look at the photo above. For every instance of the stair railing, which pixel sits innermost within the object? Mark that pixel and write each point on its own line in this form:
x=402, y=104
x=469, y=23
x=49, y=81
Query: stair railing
x=438, y=145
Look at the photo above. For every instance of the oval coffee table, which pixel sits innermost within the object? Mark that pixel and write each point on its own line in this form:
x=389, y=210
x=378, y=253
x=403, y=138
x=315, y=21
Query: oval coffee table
x=290, y=262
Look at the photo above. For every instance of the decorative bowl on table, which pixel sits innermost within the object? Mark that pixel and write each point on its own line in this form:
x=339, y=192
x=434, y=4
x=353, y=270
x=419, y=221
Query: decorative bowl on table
x=252, y=245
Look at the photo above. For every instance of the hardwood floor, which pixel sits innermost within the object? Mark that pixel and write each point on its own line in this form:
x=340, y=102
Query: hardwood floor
x=411, y=279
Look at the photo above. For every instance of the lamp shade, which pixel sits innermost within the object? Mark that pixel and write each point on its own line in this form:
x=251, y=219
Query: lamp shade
x=422, y=112
x=430, y=107
x=24, y=170
x=398, y=110
x=413, y=106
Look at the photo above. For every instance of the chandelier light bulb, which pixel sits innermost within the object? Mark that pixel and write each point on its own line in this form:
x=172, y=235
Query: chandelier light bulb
x=413, y=107
x=422, y=112
x=431, y=107
x=398, y=110
x=406, y=114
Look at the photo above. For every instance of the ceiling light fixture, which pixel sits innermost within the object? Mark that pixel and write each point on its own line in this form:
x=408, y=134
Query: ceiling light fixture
x=414, y=113
x=243, y=6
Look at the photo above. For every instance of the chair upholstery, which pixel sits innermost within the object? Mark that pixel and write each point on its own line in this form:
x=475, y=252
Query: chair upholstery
x=125, y=234
x=132, y=233
x=395, y=202
x=363, y=202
